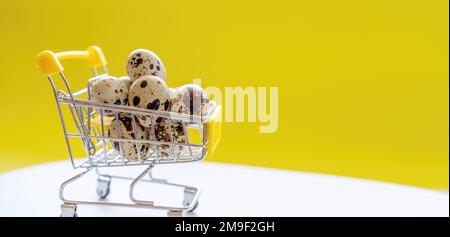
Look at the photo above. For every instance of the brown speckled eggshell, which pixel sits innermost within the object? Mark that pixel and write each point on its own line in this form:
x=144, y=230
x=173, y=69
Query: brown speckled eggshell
x=195, y=100
x=126, y=80
x=109, y=90
x=162, y=135
x=149, y=92
x=129, y=149
x=178, y=134
x=142, y=62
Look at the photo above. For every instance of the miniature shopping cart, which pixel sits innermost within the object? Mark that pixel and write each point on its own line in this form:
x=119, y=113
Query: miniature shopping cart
x=90, y=131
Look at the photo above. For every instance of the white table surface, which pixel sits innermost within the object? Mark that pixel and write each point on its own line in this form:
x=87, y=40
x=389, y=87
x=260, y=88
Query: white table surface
x=227, y=190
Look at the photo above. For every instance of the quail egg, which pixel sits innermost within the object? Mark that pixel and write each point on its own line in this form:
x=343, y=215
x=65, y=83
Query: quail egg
x=142, y=62
x=177, y=128
x=127, y=81
x=194, y=100
x=124, y=128
x=149, y=92
x=162, y=135
x=109, y=90
x=176, y=102
x=178, y=136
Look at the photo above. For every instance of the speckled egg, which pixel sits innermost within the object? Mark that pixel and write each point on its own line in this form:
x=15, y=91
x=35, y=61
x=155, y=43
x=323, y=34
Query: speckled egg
x=195, y=100
x=172, y=92
x=178, y=136
x=129, y=149
x=177, y=105
x=142, y=62
x=176, y=102
x=162, y=135
x=149, y=92
x=126, y=80
x=109, y=90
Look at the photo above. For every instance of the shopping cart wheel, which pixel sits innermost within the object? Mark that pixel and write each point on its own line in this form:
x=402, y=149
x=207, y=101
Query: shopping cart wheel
x=69, y=210
x=175, y=213
x=103, y=186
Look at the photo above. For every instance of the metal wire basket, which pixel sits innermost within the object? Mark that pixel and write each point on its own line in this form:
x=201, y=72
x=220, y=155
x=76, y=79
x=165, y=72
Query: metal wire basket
x=90, y=129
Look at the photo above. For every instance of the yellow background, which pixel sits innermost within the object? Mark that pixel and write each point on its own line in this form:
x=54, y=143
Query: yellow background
x=363, y=85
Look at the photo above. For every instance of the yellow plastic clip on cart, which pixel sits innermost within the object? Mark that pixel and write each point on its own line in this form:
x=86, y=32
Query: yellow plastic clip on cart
x=90, y=130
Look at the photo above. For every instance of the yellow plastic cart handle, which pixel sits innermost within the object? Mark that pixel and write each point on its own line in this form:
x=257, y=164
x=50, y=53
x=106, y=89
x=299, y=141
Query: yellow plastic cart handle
x=214, y=132
x=49, y=63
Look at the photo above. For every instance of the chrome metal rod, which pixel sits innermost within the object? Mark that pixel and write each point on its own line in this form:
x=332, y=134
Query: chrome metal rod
x=65, y=183
x=133, y=184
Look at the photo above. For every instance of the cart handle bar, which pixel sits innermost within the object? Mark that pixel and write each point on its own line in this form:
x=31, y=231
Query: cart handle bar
x=49, y=63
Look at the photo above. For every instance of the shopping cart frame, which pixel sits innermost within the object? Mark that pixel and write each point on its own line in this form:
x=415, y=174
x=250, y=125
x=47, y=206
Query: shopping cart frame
x=83, y=111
